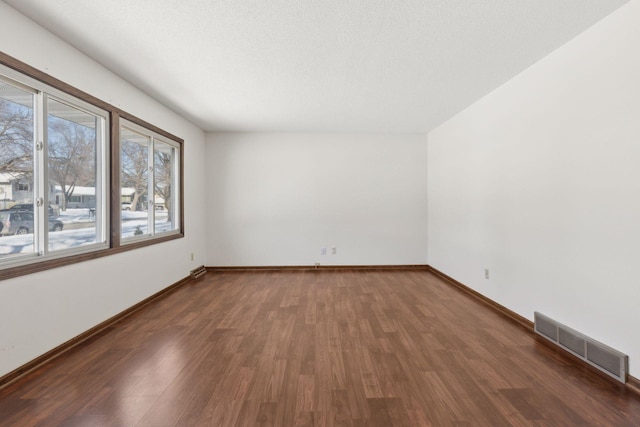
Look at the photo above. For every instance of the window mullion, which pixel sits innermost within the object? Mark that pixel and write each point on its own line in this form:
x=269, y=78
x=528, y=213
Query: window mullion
x=175, y=190
x=151, y=190
x=41, y=180
x=101, y=184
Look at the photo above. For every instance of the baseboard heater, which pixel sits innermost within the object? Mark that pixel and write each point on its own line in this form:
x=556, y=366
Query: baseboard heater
x=197, y=272
x=606, y=359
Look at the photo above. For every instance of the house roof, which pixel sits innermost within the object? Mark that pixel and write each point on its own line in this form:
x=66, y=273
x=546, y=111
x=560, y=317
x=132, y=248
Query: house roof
x=6, y=178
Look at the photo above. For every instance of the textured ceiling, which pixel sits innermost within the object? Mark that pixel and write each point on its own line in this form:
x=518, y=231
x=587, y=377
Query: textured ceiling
x=316, y=66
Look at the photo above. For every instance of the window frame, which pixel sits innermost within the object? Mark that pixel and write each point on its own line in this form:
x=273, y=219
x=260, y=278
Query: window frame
x=153, y=137
x=103, y=169
x=25, y=75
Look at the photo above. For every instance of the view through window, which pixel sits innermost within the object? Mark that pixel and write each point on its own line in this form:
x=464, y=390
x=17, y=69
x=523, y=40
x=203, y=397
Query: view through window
x=74, y=169
x=51, y=195
x=16, y=170
x=149, y=182
x=60, y=194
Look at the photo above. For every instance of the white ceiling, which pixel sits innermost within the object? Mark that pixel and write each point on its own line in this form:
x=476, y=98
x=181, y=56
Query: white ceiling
x=316, y=66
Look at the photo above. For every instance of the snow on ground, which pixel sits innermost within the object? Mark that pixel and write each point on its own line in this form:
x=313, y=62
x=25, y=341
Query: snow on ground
x=81, y=234
x=84, y=215
x=75, y=215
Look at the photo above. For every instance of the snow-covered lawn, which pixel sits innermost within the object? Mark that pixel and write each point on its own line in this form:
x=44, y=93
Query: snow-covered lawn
x=79, y=230
x=76, y=215
x=84, y=215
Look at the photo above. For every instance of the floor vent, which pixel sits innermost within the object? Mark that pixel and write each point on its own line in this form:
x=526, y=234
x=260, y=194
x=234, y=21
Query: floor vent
x=197, y=272
x=608, y=360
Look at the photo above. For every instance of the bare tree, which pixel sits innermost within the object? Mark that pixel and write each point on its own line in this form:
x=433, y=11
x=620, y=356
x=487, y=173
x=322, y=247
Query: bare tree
x=72, y=156
x=162, y=174
x=16, y=139
x=134, y=170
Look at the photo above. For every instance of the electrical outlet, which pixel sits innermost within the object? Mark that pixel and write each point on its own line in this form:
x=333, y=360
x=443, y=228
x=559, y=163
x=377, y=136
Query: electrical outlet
x=192, y=257
x=486, y=273
x=334, y=251
x=323, y=251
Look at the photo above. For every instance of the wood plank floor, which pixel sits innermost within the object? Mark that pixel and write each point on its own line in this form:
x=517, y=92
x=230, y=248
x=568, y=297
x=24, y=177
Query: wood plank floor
x=325, y=348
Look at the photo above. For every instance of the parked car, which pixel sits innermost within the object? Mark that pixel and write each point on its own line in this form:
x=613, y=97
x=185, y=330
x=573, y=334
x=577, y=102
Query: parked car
x=55, y=225
x=21, y=222
x=29, y=207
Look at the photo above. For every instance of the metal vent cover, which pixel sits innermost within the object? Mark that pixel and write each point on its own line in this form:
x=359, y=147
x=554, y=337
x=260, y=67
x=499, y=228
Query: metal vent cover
x=197, y=272
x=571, y=341
x=606, y=359
x=547, y=328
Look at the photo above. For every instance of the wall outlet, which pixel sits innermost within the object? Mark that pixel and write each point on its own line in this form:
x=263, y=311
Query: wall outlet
x=192, y=257
x=334, y=251
x=323, y=251
x=486, y=273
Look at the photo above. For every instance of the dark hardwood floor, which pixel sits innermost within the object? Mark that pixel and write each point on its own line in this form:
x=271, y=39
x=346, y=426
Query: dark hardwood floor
x=295, y=348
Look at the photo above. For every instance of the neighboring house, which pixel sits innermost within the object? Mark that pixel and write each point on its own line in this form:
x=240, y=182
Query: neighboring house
x=127, y=196
x=6, y=190
x=82, y=197
x=14, y=188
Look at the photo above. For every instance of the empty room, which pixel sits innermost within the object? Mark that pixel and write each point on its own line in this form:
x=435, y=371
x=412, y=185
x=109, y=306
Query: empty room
x=297, y=213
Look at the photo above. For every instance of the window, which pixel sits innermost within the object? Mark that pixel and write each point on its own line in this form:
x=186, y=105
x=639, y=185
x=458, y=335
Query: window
x=76, y=167
x=149, y=167
x=17, y=123
x=62, y=199
x=22, y=186
x=50, y=142
x=16, y=117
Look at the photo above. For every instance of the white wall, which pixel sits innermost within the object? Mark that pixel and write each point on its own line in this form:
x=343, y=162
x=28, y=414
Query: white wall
x=42, y=310
x=540, y=183
x=277, y=199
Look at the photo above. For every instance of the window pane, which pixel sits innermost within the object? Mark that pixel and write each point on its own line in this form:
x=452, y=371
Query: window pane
x=163, y=159
x=16, y=171
x=73, y=143
x=134, y=182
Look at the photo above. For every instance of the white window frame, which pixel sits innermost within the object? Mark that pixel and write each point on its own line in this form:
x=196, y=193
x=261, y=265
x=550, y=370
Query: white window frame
x=154, y=137
x=42, y=92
